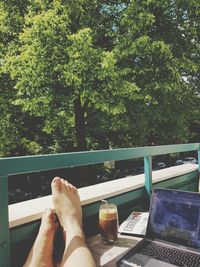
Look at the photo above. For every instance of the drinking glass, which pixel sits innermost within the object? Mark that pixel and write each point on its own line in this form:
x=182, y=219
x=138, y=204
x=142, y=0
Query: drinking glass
x=108, y=223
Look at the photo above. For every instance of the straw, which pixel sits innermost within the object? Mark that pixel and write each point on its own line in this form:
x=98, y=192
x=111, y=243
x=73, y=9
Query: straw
x=106, y=203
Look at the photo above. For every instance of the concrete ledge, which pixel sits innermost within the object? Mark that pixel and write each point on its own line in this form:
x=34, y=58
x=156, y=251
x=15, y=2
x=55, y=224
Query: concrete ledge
x=30, y=210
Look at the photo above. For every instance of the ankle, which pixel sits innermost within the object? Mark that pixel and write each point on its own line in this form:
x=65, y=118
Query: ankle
x=73, y=229
x=72, y=222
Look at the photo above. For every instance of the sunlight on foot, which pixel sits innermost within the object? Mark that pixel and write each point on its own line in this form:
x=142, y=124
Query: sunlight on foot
x=67, y=204
x=69, y=212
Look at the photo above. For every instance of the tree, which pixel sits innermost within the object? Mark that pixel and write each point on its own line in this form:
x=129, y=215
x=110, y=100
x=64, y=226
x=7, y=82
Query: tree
x=12, y=120
x=157, y=42
x=91, y=74
x=60, y=74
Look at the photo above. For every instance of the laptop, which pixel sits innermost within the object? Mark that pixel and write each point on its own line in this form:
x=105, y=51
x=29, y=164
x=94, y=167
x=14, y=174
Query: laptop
x=173, y=232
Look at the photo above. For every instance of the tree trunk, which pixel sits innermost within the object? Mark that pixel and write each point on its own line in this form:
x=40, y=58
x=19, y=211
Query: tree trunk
x=79, y=125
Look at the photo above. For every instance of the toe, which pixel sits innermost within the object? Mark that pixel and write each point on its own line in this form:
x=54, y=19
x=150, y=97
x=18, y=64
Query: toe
x=48, y=215
x=48, y=221
x=73, y=189
x=62, y=180
x=56, y=185
x=51, y=214
x=67, y=186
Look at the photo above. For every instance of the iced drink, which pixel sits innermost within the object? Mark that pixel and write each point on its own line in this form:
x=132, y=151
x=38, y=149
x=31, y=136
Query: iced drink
x=108, y=222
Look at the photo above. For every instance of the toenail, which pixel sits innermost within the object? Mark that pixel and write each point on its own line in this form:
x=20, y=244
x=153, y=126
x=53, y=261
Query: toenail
x=56, y=179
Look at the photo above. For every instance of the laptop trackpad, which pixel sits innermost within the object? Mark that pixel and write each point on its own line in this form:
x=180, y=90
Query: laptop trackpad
x=144, y=261
x=156, y=263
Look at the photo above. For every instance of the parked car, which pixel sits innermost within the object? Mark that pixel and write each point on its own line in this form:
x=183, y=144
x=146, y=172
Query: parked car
x=158, y=165
x=189, y=160
x=179, y=162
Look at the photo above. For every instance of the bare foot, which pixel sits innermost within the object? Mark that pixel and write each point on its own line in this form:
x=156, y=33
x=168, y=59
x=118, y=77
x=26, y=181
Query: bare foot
x=68, y=209
x=67, y=206
x=42, y=250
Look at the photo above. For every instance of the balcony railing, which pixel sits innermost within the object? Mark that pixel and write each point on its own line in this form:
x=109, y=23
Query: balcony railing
x=19, y=165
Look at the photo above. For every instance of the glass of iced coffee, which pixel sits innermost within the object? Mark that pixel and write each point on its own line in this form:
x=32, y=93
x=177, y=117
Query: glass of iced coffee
x=108, y=223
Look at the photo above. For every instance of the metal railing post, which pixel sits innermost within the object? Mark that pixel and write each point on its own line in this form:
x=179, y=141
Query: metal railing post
x=199, y=163
x=4, y=224
x=148, y=174
x=30, y=164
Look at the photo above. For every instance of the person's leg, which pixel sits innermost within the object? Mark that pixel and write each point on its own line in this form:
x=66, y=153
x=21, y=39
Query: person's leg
x=42, y=250
x=68, y=209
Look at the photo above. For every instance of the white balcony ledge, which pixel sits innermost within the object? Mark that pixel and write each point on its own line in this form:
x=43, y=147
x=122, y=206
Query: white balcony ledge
x=30, y=210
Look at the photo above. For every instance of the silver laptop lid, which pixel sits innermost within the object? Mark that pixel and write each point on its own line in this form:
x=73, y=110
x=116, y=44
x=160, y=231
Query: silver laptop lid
x=175, y=217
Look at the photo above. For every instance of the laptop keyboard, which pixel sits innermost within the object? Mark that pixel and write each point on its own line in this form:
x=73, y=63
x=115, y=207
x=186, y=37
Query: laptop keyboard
x=171, y=255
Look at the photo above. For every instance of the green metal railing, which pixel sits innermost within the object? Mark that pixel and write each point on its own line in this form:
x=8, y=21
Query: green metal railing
x=29, y=164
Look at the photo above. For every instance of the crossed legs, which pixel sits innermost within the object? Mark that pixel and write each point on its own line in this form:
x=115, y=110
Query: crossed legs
x=68, y=210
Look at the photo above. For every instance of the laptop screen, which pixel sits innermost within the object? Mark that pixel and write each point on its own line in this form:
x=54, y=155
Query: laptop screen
x=175, y=217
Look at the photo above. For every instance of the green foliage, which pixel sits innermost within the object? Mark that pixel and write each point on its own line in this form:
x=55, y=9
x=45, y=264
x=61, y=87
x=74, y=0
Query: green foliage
x=90, y=74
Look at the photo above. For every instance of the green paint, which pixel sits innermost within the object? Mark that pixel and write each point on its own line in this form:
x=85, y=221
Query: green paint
x=24, y=232
x=181, y=181
x=30, y=164
x=186, y=181
x=148, y=174
x=4, y=228
x=126, y=202
x=64, y=160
